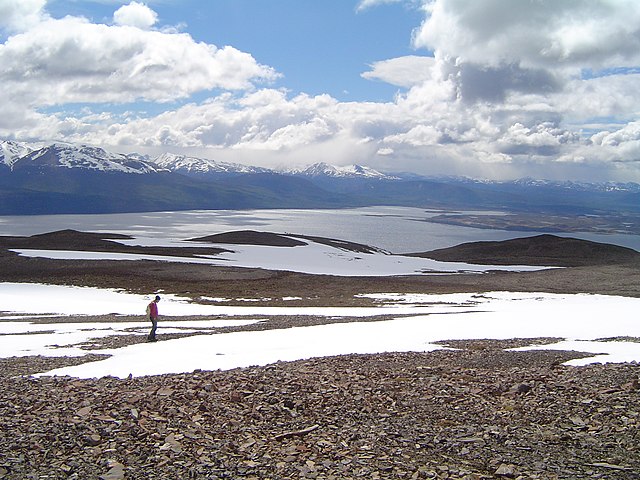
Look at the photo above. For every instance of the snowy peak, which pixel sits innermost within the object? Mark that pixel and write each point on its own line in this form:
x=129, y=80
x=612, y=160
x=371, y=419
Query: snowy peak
x=182, y=163
x=82, y=157
x=361, y=171
x=317, y=170
x=351, y=171
x=201, y=166
x=11, y=151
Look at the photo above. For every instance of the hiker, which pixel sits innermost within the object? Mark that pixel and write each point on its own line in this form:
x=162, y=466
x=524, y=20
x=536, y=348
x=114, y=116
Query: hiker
x=152, y=313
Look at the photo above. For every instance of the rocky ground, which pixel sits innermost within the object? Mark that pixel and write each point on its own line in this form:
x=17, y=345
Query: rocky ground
x=475, y=411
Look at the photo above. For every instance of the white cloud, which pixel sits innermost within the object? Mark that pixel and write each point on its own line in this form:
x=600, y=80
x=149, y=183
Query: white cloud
x=72, y=60
x=385, y=151
x=628, y=134
x=135, y=15
x=544, y=33
x=543, y=139
x=265, y=119
x=613, y=96
x=402, y=71
x=18, y=15
x=420, y=135
x=620, y=147
x=365, y=4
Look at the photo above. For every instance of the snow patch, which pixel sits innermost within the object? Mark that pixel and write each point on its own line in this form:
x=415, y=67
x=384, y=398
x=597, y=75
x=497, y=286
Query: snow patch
x=314, y=258
x=580, y=319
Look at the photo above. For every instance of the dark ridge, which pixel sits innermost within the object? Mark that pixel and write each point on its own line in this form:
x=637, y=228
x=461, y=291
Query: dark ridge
x=544, y=250
x=97, y=242
x=251, y=237
x=64, y=239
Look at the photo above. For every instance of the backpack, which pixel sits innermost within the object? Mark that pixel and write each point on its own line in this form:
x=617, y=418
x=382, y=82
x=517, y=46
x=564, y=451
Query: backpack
x=148, y=310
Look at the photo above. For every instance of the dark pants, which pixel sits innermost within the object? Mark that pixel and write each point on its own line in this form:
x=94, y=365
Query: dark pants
x=154, y=326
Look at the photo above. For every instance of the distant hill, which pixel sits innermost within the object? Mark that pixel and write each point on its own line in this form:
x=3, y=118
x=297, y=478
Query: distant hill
x=545, y=250
x=65, y=240
x=250, y=237
x=96, y=242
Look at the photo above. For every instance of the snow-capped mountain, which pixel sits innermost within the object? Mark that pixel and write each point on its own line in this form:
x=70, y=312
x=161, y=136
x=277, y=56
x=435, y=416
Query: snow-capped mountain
x=11, y=151
x=66, y=178
x=82, y=157
x=201, y=166
x=351, y=171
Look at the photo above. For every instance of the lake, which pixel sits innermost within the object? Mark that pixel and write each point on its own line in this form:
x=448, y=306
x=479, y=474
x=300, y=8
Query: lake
x=395, y=229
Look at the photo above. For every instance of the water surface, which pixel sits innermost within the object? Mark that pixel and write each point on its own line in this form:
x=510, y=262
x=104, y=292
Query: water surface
x=395, y=229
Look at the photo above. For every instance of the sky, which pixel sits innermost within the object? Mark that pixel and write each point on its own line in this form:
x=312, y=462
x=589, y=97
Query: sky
x=496, y=89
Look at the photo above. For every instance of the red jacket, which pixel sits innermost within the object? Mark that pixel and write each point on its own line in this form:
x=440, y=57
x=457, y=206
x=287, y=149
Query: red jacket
x=153, y=310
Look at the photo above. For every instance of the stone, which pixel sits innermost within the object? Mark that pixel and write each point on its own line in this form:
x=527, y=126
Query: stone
x=505, y=470
x=93, y=440
x=116, y=471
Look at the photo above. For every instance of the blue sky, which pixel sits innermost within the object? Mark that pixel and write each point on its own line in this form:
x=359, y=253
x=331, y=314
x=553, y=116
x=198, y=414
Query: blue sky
x=319, y=47
x=488, y=89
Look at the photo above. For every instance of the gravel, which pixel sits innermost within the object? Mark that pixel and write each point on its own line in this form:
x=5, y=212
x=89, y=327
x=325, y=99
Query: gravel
x=475, y=412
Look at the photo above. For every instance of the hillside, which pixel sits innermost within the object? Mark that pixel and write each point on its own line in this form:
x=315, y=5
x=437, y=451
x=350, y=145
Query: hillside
x=547, y=250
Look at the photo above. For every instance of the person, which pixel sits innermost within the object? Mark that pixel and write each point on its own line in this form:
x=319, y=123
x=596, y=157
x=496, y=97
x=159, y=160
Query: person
x=152, y=311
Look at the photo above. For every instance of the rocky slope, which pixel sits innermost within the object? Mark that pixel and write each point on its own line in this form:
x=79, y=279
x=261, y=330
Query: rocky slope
x=475, y=413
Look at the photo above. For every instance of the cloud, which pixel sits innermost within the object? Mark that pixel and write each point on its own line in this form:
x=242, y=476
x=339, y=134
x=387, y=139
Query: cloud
x=620, y=146
x=629, y=134
x=401, y=71
x=489, y=83
x=72, y=60
x=420, y=135
x=135, y=15
x=265, y=120
x=18, y=15
x=365, y=4
x=540, y=34
x=610, y=154
x=542, y=140
x=612, y=97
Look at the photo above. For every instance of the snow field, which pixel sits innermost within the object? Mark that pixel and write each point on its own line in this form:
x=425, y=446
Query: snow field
x=580, y=319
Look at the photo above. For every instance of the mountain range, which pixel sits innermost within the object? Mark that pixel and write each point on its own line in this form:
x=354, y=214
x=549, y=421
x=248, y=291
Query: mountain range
x=67, y=178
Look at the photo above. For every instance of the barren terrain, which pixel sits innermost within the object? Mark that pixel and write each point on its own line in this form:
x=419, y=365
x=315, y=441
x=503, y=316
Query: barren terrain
x=474, y=412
